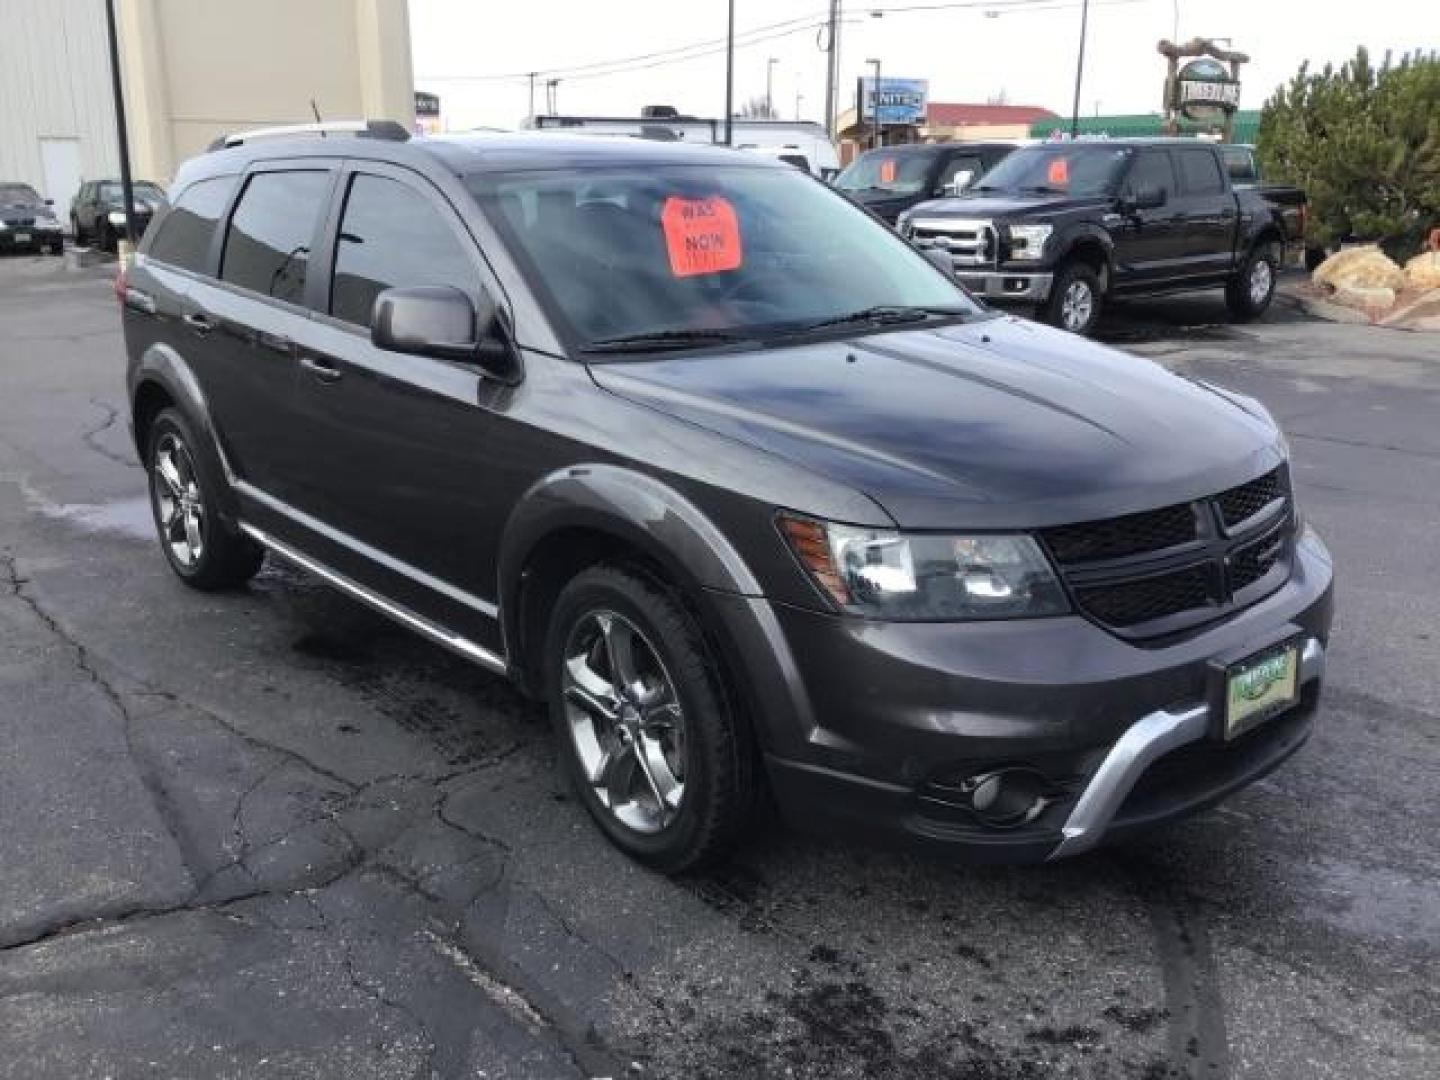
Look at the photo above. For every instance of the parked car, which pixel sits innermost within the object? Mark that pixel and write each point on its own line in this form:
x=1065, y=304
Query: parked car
x=27, y=222
x=719, y=467
x=1066, y=226
x=890, y=180
x=97, y=214
x=1291, y=202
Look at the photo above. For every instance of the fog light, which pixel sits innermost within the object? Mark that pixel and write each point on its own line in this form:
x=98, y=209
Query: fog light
x=1008, y=798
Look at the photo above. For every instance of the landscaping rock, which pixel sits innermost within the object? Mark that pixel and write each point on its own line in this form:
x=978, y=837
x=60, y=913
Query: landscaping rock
x=1362, y=268
x=1423, y=271
x=1373, y=301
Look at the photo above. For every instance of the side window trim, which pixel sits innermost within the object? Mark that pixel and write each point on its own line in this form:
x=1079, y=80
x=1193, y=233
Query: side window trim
x=329, y=166
x=323, y=268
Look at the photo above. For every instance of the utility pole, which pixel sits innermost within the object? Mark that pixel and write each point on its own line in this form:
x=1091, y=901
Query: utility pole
x=1079, y=71
x=127, y=188
x=552, y=96
x=532, y=94
x=832, y=66
x=874, y=105
x=729, y=71
x=769, y=100
x=799, y=97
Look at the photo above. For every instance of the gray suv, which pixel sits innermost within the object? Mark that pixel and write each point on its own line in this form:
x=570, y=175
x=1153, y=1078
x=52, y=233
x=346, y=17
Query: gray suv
x=747, y=490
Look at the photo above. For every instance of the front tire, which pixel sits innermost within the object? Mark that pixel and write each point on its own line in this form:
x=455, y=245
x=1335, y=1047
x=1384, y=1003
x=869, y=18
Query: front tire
x=185, y=481
x=1250, y=291
x=649, y=738
x=1076, y=299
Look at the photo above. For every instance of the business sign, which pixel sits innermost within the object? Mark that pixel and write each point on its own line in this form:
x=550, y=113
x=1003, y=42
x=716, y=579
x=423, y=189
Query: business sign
x=899, y=101
x=1205, y=90
x=427, y=112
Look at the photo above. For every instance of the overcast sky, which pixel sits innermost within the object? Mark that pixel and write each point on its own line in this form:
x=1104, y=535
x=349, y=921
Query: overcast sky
x=968, y=51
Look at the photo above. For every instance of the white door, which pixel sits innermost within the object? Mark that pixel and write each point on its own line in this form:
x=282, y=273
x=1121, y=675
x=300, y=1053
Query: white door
x=60, y=158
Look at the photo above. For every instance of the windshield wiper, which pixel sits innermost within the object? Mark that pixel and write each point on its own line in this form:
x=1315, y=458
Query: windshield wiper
x=880, y=315
x=662, y=341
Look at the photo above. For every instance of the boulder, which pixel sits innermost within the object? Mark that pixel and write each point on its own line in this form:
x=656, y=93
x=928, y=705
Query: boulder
x=1360, y=268
x=1423, y=271
x=1372, y=301
x=1420, y=313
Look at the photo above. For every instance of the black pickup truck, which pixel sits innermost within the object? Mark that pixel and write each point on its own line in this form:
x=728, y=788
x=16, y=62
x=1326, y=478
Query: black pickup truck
x=890, y=180
x=1067, y=225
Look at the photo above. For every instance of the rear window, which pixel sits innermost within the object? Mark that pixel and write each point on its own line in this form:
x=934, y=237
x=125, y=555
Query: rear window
x=267, y=249
x=187, y=231
x=1200, y=173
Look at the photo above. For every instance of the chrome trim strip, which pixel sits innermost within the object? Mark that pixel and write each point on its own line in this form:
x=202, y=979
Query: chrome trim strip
x=1149, y=738
x=389, y=562
x=454, y=642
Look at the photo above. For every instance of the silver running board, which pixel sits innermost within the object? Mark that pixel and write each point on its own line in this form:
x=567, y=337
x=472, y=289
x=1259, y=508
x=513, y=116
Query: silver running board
x=461, y=646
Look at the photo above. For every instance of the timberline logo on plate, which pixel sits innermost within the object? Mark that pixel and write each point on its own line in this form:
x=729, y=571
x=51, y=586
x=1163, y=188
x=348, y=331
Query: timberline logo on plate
x=1256, y=683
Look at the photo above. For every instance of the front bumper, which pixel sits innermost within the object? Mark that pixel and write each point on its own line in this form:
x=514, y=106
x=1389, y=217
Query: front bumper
x=1026, y=287
x=898, y=716
x=38, y=237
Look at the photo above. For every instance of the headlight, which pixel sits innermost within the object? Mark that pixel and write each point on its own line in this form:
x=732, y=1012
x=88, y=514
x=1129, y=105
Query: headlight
x=913, y=577
x=117, y=217
x=3, y=226
x=1028, y=241
x=902, y=223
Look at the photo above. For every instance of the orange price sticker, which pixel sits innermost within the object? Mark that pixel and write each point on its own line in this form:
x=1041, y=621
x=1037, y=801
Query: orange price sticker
x=702, y=236
x=1059, y=171
x=887, y=171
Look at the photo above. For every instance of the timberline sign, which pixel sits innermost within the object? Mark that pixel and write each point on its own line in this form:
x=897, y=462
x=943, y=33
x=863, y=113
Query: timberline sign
x=1206, y=89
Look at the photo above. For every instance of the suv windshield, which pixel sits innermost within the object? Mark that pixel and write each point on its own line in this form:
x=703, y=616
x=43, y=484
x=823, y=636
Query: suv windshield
x=895, y=174
x=18, y=195
x=1063, y=169
x=110, y=192
x=695, y=254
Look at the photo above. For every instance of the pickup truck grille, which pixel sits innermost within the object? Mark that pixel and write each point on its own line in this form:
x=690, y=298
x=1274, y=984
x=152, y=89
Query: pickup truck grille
x=1163, y=571
x=970, y=243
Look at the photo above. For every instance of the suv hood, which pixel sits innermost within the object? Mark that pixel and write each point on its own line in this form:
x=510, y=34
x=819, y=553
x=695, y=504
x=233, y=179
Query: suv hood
x=995, y=424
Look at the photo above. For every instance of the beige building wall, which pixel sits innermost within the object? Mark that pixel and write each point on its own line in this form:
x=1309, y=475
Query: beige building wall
x=197, y=69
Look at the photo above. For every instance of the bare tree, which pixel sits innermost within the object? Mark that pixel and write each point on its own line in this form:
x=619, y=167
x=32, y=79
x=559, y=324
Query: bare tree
x=757, y=108
x=1002, y=98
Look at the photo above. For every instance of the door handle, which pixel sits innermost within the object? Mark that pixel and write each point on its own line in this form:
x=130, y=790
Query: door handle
x=323, y=369
x=201, y=324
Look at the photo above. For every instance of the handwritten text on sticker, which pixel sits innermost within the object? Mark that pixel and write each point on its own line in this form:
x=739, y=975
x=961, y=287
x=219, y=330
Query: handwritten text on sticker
x=702, y=236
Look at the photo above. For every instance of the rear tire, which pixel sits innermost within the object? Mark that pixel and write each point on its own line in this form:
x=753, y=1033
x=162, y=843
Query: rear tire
x=1076, y=299
x=658, y=754
x=206, y=552
x=1250, y=291
x=75, y=230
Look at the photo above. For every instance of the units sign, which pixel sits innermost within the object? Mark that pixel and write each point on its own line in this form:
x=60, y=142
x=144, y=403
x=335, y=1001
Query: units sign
x=900, y=101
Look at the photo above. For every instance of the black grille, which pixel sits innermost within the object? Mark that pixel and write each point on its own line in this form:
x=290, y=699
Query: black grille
x=1244, y=502
x=1129, y=603
x=1133, y=534
x=1162, y=571
x=1253, y=561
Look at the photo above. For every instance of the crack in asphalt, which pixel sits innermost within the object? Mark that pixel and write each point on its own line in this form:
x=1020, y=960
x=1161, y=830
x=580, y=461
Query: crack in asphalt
x=91, y=436
x=165, y=809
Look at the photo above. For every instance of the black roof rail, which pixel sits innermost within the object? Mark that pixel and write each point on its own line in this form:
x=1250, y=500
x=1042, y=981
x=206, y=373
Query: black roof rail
x=390, y=130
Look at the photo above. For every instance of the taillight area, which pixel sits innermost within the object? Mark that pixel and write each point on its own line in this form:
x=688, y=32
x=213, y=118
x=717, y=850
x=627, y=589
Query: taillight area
x=122, y=282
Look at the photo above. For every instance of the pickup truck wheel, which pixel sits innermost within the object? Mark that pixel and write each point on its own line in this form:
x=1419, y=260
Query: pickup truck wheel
x=1075, y=299
x=205, y=552
x=648, y=736
x=1250, y=291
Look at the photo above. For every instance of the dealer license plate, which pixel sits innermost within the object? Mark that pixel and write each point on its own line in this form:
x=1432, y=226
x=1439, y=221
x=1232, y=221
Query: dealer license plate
x=1259, y=687
x=22, y=237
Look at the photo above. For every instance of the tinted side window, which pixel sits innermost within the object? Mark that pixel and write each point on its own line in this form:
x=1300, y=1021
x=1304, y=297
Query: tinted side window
x=268, y=246
x=185, y=234
x=1200, y=172
x=391, y=237
x=1152, y=169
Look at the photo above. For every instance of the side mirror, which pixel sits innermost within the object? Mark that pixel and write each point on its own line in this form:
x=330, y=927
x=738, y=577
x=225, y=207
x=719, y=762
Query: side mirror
x=940, y=260
x=1147, y=198
x=440, y=321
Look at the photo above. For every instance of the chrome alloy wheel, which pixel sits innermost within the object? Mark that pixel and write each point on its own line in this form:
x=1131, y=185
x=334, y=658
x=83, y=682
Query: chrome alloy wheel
x=625, y=720
x=179, y=506
x=1261, y=280
x=1077, y=306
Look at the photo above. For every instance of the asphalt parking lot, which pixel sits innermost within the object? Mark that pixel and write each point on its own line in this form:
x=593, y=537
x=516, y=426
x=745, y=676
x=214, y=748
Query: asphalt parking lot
x=270, y=834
